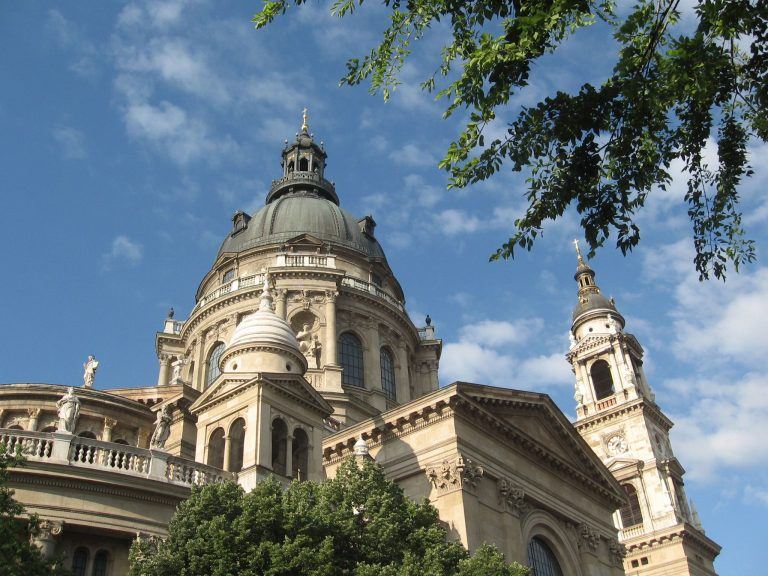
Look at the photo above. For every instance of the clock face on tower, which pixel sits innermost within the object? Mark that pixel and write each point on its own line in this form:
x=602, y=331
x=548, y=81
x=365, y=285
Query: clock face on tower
x=616, y=444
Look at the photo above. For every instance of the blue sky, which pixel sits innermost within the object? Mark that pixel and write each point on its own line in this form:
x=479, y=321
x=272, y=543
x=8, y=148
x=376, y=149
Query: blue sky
x=130, y=133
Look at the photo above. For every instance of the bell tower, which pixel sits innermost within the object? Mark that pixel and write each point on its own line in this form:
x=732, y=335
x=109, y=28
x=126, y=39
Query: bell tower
x=617, y=415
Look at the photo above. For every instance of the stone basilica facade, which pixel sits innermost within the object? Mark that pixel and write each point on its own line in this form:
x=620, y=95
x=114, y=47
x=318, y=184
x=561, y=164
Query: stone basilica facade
x=298, y=354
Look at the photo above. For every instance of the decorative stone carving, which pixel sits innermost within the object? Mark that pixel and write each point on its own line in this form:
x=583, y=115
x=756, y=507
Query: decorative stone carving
x=628, y=375
x=162, y=428
x=45, y=536
x=613, y=326
x=69, y=410
x=109, y=423
x=90, y=367
x=461, y=473
x=589, y=537
x=316, y=350
x=512, y=497
x=618, y=551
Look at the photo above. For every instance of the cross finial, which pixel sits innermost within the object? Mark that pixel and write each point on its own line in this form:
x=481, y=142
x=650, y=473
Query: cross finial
x=304, y=119
x=578, y=250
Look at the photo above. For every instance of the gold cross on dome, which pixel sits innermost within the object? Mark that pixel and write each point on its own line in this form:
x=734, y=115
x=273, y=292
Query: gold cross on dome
x=304, y=119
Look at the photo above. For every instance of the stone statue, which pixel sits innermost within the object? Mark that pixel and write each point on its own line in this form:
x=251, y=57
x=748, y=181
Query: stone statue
x=69, y=410
x=90, y=372
x=317, y=350
x=162, y=428
x=572, y=338
x=305, y=340
x=578, y=395
x=177, y=365
x=613, y=326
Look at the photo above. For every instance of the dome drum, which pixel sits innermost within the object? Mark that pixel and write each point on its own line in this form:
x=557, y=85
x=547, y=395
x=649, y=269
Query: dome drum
x=296, y=181
x=261, y=357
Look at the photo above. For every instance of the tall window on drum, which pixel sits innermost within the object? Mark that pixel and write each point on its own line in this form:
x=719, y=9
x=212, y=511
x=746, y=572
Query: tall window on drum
x=351, y=360
x=601, y=379
x=212, y=366
x=388, y=374
x=631, y=514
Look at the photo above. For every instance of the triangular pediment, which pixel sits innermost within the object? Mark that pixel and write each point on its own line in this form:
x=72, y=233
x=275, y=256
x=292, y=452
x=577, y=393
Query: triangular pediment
x=305, y=242
x=616, y=465
x=228, y=386
x=536, y=419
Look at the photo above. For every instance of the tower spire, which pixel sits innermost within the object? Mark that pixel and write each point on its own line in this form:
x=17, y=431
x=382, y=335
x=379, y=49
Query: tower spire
x=305, y=120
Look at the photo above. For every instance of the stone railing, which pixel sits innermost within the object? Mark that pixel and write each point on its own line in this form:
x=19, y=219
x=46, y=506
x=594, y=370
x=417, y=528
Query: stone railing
x=224, y=289
x=606, y=404
x=69, y=450
x=302, y=177
x=631, y=532
x=371, y=288
x=306, y=260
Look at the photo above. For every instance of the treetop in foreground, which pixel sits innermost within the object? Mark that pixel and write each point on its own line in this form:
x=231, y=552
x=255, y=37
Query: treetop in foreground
x=605, y=147
x=358, y=523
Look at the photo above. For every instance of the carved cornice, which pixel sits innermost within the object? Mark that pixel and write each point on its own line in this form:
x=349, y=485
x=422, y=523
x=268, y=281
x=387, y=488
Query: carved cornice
x=451, y=475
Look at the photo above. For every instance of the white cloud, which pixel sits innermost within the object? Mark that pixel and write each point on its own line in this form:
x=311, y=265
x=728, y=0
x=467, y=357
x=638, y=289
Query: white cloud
x=490, y=352
x=413, y=155
x=69, y=38
x=72, y=142
x=453, y=221
x=173, y=132
x=125, y=250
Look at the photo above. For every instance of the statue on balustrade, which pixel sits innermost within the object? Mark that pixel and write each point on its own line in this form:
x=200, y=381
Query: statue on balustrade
x=69, y=410
x=162, y=428
x=90, y=372
x=317, y=350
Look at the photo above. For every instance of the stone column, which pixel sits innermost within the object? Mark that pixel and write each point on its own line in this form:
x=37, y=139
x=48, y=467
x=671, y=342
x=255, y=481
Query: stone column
x=109, y=426
x=330, y=328
x=373, y=376
x=280, y=308
x=197, y=382
x=227, y=448
x=165, y=361
x=34, y=415
x=289, y=455
x=401, y=374
x=433, y=378
x=45, y=538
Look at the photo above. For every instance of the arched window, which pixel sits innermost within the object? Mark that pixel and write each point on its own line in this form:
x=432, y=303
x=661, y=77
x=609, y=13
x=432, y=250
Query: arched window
x=631, y=515
x=212, y=370
x=80, y=561
x=121, y=441
x=351, y=360
x=216, y=448
x=541, y=559
x=87, y=434
x=303, y=165
x=236, y=445
x=100, y=562
x=601, y=379
x=15, y=427
x=279, y=446
x=229, y=275
x=49, y=429
x=300, y=454
x=388, y=374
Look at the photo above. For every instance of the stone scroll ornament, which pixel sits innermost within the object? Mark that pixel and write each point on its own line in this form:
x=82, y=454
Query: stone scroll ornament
x=511, y=497
x=459, y=473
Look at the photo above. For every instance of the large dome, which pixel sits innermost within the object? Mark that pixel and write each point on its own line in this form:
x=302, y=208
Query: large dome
x=303, y=212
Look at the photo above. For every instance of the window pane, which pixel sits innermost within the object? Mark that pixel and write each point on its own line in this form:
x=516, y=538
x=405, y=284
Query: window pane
x=541, y=559
x=80, y=561
x=388, y=374
x=351, y=360
x=212, y=369
x=100, y=563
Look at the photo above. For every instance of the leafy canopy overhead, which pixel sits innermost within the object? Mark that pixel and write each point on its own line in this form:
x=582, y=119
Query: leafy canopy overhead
x=605, y=147
x=359, y=523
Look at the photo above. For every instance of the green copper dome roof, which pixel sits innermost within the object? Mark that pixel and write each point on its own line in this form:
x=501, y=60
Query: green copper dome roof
x=303, y=212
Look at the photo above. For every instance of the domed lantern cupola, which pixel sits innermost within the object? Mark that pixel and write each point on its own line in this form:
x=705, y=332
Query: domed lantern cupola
x=592, y=305
x=303, y=163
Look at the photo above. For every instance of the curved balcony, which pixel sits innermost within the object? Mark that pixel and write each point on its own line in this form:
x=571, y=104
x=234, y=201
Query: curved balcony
x=302, y=180
x=76, y=451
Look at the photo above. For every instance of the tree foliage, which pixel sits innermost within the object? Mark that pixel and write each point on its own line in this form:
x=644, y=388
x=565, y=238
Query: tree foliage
x=19, y=556
x=359, y=524
x=607, y=146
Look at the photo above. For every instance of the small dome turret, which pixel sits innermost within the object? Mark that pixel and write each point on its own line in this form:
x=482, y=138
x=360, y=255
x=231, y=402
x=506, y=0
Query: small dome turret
x=263, y=342
x=591, y=302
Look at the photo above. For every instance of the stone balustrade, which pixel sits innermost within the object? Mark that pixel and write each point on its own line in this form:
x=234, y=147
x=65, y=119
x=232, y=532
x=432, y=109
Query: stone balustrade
x=371, y=288
x=305, y=260
x=606, y=403
x=224, y=289
x=69, y=450
x=631, y=532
